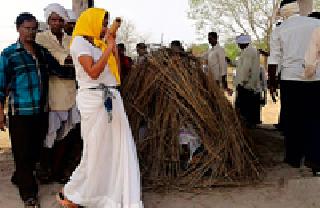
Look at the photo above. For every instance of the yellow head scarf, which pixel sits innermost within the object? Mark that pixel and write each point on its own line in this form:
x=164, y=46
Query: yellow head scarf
x=90, y=24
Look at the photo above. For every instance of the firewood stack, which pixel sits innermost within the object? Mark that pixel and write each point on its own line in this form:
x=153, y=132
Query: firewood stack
x=169, y=91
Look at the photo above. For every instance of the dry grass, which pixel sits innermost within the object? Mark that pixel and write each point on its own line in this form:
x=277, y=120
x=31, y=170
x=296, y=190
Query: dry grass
x=168, y=92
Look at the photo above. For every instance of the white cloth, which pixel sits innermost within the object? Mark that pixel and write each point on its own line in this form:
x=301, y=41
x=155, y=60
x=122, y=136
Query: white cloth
x=189, y=137
x=243, y=39
x=248, y=69
x=56, y=8
x=216, y=59
x=274, y=35
x=289, y=44
x=60, y=124
x=312, y=57
x=108, y=175
x=72, y=16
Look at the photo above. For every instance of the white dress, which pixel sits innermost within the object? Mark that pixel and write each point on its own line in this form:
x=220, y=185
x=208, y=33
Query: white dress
x=108, y=175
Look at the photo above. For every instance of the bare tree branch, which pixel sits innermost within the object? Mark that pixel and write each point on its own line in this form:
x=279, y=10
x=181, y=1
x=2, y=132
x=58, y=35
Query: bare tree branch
x=254, y=17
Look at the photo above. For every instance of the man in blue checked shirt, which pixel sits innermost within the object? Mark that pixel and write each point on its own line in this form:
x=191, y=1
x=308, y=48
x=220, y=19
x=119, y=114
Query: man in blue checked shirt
x=24, y=71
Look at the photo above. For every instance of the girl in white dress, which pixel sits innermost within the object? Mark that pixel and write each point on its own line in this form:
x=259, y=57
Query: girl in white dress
x=108, y=175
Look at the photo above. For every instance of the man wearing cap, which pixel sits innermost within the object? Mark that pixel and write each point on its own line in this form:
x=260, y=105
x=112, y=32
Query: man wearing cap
x=288, y=47
x=63, y=114
x=247, y=82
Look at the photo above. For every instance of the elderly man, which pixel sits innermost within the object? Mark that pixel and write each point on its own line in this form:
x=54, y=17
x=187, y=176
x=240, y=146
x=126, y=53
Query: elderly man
x=247, y=82
x=301, y=107
x=63, y=115
x=24, y=71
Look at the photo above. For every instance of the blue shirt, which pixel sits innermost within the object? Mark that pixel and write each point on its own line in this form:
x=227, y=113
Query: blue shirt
x=24, y=78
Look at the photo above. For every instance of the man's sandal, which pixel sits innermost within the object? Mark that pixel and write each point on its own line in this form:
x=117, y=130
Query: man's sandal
x=63, y=201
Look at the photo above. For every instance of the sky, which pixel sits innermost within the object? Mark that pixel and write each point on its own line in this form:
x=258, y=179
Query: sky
x=151, y=17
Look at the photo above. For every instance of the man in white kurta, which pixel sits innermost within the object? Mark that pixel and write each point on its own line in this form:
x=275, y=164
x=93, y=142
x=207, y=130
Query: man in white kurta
x=311, y=72
x=247, y=81
x=301, y=106
x=63, y=115
x=215, y=59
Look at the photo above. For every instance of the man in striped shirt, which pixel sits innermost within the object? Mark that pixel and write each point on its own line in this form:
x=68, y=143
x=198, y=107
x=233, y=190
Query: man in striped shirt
x=24, y=71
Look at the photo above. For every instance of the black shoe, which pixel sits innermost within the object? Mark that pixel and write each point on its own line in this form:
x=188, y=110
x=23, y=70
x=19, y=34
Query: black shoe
x=294, y=164
x=32, y=203
x=14, y=179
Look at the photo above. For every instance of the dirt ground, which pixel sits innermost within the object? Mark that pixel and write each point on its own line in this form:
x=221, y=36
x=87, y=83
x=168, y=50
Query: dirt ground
x=282, y=186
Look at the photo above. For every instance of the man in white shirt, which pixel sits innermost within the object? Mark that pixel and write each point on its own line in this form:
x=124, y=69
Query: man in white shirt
x=312, y=71
x=247, y=82
x=215, y=59
x=301, y=106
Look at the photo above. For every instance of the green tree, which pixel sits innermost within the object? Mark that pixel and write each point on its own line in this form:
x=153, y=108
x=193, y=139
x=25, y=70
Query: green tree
x=232, y=50
x=199, y=49
x=233, y=17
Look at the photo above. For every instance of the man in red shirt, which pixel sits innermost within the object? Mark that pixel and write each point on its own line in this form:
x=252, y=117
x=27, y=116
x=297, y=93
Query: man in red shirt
x=125, y=62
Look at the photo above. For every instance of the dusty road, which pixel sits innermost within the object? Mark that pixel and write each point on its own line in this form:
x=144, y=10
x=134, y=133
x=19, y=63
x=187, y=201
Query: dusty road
x=282, y=187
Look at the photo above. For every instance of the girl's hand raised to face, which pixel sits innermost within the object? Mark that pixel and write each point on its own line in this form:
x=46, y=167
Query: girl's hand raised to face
x=111, y=42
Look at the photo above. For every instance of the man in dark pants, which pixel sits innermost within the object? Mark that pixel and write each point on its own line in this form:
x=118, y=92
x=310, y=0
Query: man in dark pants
x=24, y=71
x=288, y=47
x=248, y=82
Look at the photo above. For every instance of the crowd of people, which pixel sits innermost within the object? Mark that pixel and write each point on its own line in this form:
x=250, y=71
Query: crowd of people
x=67, y=122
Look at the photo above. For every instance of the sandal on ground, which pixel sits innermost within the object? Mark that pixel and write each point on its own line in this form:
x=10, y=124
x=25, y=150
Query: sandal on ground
x=32, y=203
x=63, y=201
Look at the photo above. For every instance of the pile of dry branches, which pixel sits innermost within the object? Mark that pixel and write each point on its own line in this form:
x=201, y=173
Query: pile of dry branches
x=167, y=92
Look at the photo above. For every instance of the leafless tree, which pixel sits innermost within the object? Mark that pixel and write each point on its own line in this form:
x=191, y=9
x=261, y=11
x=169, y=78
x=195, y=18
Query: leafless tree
x=129, y=35
x=232, y=17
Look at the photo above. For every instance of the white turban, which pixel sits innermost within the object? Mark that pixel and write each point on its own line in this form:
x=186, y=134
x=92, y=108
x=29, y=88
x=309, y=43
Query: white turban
x=56, y=8
x=243, y=39
x=289, y=9
x=72, y=16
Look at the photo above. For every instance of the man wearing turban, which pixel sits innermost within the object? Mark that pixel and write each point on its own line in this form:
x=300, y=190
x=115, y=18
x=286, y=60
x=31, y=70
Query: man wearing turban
x=63, y=116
